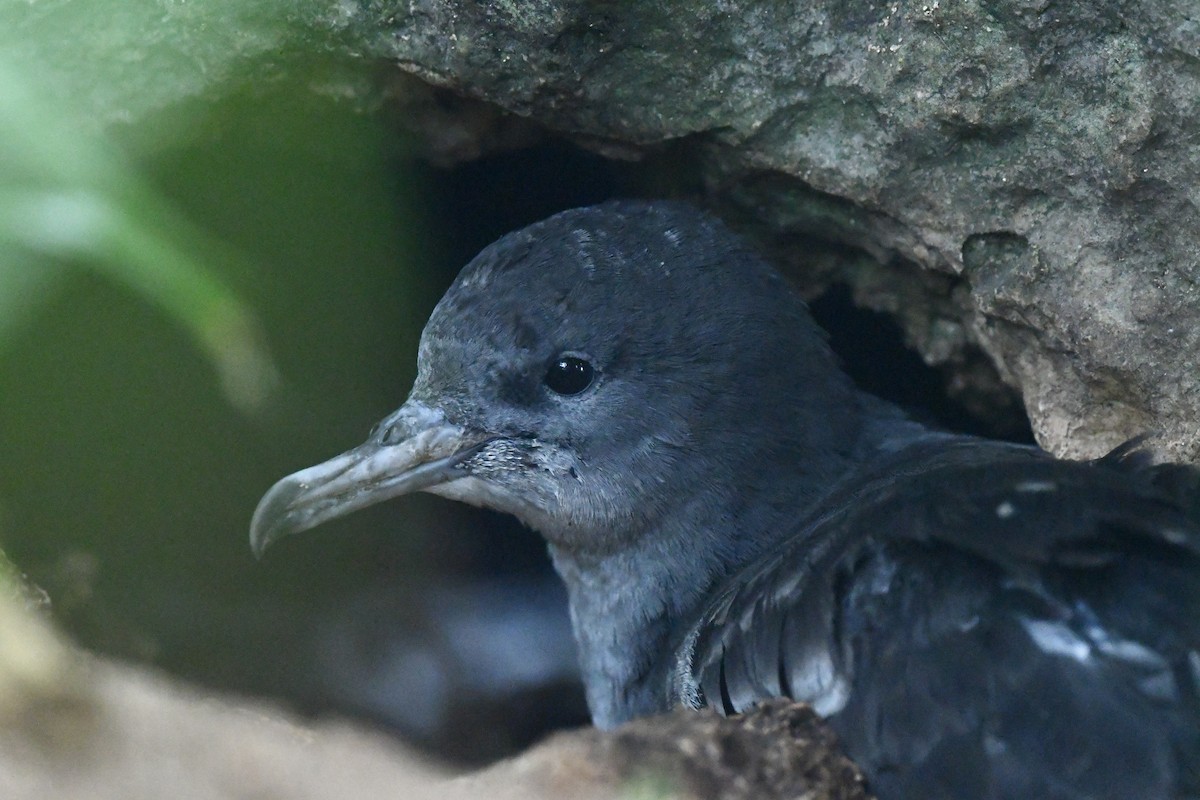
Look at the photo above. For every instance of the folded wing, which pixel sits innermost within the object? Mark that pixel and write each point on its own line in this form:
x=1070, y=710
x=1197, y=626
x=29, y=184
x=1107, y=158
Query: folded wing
x=979, y=620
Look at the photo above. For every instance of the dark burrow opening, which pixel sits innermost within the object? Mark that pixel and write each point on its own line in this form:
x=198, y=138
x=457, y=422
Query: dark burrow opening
x=475, y=203
x=479, y=201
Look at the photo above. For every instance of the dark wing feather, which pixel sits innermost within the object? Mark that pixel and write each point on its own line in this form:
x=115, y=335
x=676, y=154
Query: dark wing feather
x=980, y=620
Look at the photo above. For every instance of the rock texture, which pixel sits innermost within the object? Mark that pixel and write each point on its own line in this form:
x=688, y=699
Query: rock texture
x=1038, y=159
x=76, y=727
x=781, y=750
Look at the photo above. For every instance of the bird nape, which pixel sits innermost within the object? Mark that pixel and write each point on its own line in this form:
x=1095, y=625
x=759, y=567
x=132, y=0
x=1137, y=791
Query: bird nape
x=735, y=521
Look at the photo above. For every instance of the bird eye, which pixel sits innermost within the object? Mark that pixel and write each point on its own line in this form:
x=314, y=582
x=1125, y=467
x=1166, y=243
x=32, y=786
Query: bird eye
x=569, y=375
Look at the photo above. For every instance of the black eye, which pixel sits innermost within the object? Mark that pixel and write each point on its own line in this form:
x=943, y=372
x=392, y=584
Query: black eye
x=569, y=375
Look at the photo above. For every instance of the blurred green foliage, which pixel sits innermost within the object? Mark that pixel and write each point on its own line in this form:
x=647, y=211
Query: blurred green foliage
x=186, y=187
x=67, y=197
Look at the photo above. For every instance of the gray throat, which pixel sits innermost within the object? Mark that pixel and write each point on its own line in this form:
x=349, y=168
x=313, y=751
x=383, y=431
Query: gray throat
x=622, y=609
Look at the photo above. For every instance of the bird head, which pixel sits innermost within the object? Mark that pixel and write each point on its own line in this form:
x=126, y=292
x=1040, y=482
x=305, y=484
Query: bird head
x=590, y=374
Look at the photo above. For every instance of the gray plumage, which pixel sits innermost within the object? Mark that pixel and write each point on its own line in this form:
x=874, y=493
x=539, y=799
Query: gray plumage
x=735, y=521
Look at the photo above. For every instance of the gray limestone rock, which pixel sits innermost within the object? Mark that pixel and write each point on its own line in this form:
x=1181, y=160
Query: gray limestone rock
x=1040, y=159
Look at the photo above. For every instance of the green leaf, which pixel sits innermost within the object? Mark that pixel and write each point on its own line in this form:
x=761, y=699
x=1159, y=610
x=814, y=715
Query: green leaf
x=68, y=197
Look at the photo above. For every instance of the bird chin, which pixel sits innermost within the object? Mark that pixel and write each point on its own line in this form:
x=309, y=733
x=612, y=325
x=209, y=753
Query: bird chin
x=484, y=494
